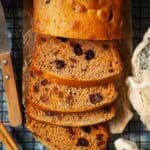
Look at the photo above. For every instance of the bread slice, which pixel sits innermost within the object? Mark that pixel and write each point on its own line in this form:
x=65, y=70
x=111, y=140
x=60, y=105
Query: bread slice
x=59, y=98
x=70, y=119
x=70, y=138
x=75, y=62
x=82, y=19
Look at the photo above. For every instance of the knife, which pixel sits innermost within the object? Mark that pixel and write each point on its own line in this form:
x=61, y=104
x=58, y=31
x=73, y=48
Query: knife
x=14, y=111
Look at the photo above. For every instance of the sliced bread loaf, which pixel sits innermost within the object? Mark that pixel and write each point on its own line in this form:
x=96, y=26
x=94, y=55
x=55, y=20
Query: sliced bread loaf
x=59, y=98
x=75, y=62
x=70, y=119
x=68, y=138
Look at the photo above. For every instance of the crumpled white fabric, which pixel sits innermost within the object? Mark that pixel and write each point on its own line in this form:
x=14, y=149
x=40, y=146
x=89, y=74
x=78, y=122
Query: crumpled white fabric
x=123, y=144
x=141, y=75
x=139, y=85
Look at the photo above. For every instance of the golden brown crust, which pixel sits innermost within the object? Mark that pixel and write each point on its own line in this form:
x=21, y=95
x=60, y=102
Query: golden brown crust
x=43, y=107
x=71, y=119
x=90, y=19
x=74, y=82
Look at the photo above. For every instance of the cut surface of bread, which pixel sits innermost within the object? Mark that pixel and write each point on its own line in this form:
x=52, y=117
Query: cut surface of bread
x=59, y=98
x=75, y=62
x=82, y=19
x=70, y=138
x=71, y=119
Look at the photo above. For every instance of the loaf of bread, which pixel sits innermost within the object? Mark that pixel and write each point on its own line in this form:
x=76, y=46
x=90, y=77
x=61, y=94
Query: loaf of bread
x=76, y=62
x=60, y=98
x=81, y=19
x=73, y=70
x=70, y=138
x=70, y=119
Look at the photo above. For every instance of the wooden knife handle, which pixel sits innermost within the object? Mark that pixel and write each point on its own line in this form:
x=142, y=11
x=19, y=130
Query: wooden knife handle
x=14, y=112
x=6, y=138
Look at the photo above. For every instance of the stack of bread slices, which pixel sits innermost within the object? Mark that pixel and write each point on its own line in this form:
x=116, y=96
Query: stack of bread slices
x=72, y=77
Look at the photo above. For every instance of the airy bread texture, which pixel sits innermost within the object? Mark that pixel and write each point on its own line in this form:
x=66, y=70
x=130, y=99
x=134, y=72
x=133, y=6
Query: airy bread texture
x=76, y=62
x=81, y=19
x=59, y=98
x=68, y=138
x=71, y=119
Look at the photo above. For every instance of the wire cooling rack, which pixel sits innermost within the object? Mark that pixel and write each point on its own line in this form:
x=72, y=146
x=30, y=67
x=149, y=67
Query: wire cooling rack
x=14, y=12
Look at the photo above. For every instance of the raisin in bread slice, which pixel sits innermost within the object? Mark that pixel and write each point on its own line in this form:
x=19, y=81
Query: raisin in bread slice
x=70, y=138
x=60, y=98
x=82, y=19
x=70, y=119
x=75, y=62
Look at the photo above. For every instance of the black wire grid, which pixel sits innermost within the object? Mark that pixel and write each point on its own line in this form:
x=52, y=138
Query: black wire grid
x=14, y=15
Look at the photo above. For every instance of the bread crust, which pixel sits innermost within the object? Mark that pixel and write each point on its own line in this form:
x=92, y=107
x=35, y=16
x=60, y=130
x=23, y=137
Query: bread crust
x=43, y=107
x=70, y=119
x=73, y=82
x=91, y=20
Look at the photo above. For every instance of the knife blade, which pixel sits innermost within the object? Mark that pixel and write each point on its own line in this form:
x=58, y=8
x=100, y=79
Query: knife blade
x=4, y=46
x=14, y=111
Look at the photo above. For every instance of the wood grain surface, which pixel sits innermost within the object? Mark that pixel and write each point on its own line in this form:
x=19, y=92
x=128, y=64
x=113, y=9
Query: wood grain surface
x=14, y=111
